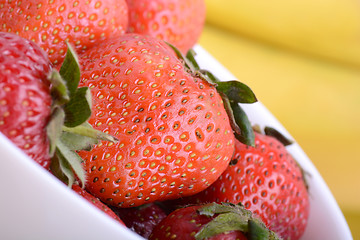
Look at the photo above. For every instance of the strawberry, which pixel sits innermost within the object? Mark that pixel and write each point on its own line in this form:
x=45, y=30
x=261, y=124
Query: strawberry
x=179, y=22
x=142, y=219
x=96, y=202
x=41, y=110
x=212, y=221
x=52, y=22
x=268, y=181
x=25, y=101
x=174, y=134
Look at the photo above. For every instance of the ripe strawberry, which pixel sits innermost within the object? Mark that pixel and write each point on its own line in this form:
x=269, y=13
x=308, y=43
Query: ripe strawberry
x=25, y=101
x=268, y=181
x=96, y=202
x=52, y=22
x=174, y=134
x=41, y=112
x=212, y=221
x=179, y=22
x=142, y=219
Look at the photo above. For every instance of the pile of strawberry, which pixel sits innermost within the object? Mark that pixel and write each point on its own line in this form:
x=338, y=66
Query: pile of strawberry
x=108, y=97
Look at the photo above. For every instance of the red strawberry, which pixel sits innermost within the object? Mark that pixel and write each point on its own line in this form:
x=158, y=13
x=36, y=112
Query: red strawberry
x=52, y=22
x=174, y=134
x=25, y=101
x=39, y=110
x=142, y=219
x=179, y=22
x=96, y=202
x=212, y=221
x=268, y=181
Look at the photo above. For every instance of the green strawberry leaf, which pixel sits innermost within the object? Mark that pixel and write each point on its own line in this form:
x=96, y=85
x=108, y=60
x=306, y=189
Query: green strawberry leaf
x=66, y=163
x=231, y=217
x=246, y=135
x=87, y=130
x=58, y=91
x=78, y=110
x=190, y=56
x=78, y=142
x=210, y=76
x=225, y=222
x=257, y=231
x=239, y=122
x=70, y=70
x=83, y=137
x=215, y=208
x=236, y=91
x=53, y=130
x=70, y=159
x=61, y=168
x=279, y=136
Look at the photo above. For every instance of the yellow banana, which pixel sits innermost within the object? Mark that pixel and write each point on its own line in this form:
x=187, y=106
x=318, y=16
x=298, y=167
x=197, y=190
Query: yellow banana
x=324, y=28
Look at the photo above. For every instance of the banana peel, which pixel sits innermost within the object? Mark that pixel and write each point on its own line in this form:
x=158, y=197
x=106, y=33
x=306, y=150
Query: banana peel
x=326, y=29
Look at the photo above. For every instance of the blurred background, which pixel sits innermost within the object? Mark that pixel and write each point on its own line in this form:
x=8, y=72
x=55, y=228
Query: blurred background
x=302, y=60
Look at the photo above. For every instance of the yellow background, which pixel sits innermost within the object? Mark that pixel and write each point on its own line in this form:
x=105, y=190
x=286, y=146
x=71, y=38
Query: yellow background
x=310, y=82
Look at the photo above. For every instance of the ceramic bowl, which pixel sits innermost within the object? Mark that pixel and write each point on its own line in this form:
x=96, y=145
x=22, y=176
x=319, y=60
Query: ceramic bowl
x=35, y=205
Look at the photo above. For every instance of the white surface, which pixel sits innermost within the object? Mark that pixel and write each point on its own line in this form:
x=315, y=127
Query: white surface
x=35, y=205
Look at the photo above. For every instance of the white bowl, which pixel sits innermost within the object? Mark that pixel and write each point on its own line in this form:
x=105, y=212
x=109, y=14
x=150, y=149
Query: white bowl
x=35, y=205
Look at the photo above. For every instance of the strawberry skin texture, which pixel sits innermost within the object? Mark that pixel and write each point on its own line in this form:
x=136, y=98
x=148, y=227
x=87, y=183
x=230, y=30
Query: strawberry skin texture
x=25, y=96
x=96, y=202
x=184, y=223
x=179, y=22
x=174, y=134
x=266, y=180
x=52, y=22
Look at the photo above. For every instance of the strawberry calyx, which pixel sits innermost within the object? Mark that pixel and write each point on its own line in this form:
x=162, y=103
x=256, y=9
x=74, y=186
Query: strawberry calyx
x=232, y=217
x=232, y=92
x=269, y=131
x=67, y=129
